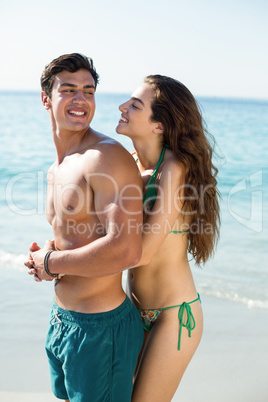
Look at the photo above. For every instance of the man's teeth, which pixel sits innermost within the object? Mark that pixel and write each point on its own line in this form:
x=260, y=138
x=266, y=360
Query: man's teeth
x=124, y=120
x=77, y=113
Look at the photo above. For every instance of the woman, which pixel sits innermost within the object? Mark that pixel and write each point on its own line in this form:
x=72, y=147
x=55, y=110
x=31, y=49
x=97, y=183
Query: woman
x=181, y=216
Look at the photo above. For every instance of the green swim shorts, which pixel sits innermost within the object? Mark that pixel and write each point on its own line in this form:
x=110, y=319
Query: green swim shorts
x=93, y=357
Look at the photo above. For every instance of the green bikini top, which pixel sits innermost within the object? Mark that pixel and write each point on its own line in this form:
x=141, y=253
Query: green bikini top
x=150, y=195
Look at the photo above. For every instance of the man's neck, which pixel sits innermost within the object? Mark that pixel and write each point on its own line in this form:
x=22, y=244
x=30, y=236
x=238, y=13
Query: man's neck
x=68, y=143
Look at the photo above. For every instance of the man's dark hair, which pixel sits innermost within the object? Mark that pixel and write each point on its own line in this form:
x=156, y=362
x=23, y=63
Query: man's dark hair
x=67, y=62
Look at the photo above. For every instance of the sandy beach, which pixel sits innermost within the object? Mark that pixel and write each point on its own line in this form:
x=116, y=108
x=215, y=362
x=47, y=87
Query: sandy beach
x=230, y=364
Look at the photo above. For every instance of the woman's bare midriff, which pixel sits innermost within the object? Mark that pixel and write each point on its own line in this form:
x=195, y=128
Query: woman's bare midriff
x=167, y=280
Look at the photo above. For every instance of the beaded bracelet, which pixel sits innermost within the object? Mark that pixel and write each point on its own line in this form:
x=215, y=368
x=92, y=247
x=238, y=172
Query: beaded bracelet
x=46, y=264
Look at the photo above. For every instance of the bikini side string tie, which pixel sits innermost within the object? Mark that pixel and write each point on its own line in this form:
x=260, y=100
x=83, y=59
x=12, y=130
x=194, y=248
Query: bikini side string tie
x=190, y=323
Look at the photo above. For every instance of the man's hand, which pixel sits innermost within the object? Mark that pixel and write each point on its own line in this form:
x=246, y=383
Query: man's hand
x=35, y=262
x=29, y=263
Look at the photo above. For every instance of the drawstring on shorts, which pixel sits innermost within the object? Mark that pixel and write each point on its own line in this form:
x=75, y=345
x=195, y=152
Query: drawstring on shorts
x=55, y=320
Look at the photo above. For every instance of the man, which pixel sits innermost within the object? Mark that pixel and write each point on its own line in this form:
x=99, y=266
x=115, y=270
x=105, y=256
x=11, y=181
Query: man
x=94, y=205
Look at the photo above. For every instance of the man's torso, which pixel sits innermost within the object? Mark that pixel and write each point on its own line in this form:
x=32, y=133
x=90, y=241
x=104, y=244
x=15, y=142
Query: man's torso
x=71, y=212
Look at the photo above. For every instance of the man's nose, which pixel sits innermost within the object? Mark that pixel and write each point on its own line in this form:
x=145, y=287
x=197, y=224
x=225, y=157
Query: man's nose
x=79, y=97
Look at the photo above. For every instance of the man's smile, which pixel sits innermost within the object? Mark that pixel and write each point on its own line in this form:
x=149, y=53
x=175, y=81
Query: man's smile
x=77, y=112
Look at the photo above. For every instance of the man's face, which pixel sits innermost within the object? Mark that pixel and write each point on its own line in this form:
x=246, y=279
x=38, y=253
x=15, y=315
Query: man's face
x=73, y=100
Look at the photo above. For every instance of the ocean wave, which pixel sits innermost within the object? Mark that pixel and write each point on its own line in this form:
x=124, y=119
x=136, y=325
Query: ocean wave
x=234, y=297
x=10, y=260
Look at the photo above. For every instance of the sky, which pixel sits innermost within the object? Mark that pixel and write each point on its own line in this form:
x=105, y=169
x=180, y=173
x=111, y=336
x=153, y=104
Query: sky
x=215, y=47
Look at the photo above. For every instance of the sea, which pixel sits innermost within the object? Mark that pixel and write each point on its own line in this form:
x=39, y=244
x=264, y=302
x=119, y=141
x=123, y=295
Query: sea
x=239, y=269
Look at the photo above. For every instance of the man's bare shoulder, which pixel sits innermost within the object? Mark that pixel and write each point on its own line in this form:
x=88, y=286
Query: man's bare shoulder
x=108, y=154
x=107, y=157
x=50, y=172
x=105, y=143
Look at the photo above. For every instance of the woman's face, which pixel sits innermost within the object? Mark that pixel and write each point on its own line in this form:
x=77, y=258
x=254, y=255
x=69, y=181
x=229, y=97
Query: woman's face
x=136, y=114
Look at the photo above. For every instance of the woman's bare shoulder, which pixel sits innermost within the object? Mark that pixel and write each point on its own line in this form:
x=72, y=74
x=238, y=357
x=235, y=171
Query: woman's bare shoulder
x=172, y=165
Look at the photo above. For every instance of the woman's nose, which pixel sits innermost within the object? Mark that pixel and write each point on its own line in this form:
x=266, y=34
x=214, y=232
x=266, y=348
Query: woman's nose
x=123, y=107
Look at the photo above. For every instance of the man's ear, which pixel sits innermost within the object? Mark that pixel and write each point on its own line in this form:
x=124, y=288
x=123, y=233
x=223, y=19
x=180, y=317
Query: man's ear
x=45, y=100
x=158, y=128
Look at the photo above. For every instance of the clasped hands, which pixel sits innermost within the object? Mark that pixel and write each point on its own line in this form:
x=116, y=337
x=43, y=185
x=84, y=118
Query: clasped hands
x=35, y=261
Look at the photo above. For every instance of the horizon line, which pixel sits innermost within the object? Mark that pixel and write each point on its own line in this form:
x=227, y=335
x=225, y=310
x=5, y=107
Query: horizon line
x=231, y=97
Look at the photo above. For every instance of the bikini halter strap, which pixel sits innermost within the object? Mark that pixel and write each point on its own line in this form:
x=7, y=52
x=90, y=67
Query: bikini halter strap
x=160, y=160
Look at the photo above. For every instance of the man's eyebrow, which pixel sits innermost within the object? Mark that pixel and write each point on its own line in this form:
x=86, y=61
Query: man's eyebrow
x=67, y=84
x=138, y=100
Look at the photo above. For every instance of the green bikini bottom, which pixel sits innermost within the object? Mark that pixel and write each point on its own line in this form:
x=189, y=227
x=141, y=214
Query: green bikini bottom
x=149, y=317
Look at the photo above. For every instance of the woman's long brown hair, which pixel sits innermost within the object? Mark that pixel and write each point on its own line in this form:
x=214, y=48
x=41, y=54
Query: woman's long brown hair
x=176, y=108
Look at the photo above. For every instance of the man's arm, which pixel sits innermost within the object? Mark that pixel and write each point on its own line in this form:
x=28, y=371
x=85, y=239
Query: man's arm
x=118, y=205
